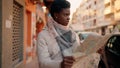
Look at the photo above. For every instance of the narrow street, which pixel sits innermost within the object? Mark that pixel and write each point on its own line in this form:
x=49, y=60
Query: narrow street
x=96, y=22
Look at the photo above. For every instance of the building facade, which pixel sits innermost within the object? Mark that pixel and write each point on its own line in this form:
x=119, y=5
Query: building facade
x=99, y=16
x=12, y=33
x=18, y=30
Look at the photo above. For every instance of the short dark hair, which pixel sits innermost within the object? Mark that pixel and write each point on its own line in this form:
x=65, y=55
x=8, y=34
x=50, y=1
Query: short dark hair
x=58, y=5
x=48, y=2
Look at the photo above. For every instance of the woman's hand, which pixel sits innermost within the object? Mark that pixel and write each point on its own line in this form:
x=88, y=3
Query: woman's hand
x=100, y=50
x=67, y=62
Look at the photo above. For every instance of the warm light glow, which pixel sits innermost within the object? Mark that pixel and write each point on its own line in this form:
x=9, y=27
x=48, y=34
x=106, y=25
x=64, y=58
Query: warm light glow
x=44, y=9
x=85, y=0
x=74, y=4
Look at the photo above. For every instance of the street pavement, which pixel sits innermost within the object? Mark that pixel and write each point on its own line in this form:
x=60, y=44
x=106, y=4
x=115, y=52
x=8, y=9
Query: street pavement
x=33, y=63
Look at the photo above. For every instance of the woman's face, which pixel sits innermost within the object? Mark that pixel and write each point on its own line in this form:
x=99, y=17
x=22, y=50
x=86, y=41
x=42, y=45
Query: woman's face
x=63, y=17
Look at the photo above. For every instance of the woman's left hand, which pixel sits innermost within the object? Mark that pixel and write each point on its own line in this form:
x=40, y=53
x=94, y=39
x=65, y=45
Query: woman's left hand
x=68, y=62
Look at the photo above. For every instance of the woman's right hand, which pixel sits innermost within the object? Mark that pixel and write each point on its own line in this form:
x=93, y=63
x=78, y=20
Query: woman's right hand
x=100, y=50
x=67, y=62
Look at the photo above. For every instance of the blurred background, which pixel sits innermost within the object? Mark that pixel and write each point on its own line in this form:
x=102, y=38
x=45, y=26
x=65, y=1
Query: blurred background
x=22, y=20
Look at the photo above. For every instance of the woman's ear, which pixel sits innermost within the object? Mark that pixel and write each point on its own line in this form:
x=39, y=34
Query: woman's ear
x=55, y=15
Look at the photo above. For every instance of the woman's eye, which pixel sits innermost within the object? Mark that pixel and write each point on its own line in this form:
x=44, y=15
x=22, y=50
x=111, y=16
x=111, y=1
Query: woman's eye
x=66, y=14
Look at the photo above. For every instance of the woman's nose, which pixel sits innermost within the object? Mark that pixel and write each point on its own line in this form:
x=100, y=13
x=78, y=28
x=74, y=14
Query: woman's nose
x=68, y=18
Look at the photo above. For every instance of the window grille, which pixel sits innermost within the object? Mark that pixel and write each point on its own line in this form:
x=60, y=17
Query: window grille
x=17, y=33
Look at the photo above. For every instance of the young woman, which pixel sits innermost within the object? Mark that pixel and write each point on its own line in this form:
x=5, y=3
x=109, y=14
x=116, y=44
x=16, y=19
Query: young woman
x=57, y=42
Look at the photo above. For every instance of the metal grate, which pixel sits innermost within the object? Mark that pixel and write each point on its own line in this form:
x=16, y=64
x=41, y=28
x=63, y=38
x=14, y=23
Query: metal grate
x=17, y=29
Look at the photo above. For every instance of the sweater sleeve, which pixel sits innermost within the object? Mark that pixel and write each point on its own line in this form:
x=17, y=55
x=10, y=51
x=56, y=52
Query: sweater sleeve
x=45, y=60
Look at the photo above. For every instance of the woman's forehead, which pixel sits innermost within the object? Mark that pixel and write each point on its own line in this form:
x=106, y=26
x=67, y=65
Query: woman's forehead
x=66, y=10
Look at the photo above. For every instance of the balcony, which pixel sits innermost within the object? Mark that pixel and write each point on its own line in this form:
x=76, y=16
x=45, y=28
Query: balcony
x=117, y=5
x=117, y=16
x=108, y=10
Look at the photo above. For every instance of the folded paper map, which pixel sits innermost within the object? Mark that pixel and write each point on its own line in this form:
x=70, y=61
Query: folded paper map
x=90, y=44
